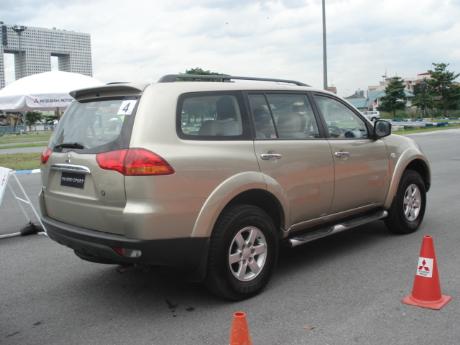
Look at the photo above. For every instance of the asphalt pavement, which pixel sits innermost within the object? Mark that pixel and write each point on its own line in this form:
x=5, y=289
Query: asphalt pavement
x=344, y=289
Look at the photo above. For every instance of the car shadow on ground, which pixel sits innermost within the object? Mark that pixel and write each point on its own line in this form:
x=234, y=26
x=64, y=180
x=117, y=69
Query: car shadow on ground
x=329, y=248
x=143, y=288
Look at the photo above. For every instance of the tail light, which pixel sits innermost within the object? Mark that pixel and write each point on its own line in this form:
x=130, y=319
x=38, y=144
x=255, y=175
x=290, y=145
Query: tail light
x=45, y=155
x=134, y=162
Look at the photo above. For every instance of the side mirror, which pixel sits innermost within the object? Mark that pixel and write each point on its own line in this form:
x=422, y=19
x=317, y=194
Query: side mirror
x=382, y=129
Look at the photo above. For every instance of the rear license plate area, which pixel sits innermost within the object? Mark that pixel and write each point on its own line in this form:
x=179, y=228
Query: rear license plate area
x=73, y=180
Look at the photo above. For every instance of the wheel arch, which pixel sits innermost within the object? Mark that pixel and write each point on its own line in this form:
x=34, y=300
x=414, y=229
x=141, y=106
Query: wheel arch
x=264, y=200
x=244, y=188
x=408, y=161
x=421, y=167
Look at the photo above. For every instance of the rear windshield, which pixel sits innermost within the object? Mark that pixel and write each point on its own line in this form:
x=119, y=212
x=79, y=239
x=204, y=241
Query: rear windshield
x=95, y=126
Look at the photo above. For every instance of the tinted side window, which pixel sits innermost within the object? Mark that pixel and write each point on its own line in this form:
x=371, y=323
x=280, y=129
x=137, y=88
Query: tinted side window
x=263, y=122
x=341, y=122
x=293, y=116
x=210, y=116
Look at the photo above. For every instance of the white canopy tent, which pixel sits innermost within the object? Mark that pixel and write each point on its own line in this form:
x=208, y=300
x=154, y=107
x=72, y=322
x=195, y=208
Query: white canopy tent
x=43, y=91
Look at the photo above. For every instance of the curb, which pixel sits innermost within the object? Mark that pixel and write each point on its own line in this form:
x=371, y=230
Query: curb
x=27, y=172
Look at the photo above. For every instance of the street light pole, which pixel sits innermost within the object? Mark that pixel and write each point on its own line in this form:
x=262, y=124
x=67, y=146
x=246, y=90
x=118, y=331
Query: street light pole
x=324, y=47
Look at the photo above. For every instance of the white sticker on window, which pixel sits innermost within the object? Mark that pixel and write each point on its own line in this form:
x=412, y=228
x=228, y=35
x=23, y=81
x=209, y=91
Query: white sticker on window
x=127, y=107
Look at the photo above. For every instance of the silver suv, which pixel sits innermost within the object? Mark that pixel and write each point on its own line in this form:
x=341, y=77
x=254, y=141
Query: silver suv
x=213, y=174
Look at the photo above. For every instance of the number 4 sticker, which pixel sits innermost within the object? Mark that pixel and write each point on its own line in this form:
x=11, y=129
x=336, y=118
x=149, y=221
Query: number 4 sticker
x=127, y=107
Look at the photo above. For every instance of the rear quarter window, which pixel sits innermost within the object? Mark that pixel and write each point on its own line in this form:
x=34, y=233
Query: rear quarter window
x=211, y=116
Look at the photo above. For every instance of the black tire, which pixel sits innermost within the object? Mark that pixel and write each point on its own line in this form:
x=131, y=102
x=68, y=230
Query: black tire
x=220, y=279
x=397, y=221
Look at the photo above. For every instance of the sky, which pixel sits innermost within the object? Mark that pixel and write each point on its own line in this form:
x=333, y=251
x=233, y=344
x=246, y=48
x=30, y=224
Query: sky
x=141, y=40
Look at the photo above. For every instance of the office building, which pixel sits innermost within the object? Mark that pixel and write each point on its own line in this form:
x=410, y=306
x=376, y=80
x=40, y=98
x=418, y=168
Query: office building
x=33, y=49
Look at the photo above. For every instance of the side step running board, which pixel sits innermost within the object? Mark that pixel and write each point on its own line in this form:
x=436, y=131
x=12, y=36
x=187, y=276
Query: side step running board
x=334, y=229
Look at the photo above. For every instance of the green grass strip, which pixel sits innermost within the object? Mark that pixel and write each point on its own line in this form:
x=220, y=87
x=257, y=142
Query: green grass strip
x=24, y=138
x=20, y=161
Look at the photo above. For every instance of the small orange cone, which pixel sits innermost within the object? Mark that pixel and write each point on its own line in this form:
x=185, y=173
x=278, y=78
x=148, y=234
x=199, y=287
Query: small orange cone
x=239, y=334
x=426, y=292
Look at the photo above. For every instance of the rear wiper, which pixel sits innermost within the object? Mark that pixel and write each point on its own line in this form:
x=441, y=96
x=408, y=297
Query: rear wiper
x=69, y=146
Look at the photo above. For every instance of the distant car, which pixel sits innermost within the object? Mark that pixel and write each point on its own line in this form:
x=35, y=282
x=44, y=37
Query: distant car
x=372, y=114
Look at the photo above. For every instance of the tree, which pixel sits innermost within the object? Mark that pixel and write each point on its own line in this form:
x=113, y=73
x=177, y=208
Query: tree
x=443, y=89
x=200, y=71
x=14, y=119
x=32, y=117
x=455, y=97
x=49, y=119
x=423, y=98
x=394, y=98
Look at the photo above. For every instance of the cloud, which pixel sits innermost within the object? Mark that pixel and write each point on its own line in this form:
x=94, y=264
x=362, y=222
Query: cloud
x=143, y=40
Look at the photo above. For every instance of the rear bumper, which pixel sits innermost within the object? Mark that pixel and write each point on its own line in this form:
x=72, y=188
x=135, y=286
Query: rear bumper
x=188, y=253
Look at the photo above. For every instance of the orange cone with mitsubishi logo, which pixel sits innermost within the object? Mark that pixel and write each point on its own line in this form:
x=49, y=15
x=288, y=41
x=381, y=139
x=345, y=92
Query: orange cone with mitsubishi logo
x=426, y=292
x=239, y=334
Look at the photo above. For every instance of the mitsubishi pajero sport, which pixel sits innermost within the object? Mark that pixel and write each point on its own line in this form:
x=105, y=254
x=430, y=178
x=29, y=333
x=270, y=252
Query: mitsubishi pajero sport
x=213, y=173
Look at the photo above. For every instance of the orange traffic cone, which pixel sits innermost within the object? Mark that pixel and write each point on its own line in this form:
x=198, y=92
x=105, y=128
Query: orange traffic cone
x=239, y=334
x=426, y=292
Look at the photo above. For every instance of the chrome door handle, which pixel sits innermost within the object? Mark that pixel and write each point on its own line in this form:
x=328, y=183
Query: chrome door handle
x=342, y=154
x=269, y=156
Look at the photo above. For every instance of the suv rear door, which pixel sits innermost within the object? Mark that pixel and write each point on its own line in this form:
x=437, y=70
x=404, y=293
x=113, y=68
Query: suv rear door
x=361, y=163
x=76, y=188
x=291, y=150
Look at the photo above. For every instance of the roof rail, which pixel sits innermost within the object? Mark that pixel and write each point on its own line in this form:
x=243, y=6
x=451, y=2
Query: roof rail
x=171, y=78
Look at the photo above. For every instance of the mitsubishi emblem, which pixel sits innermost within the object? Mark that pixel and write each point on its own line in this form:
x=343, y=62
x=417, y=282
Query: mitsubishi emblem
x=68, y=158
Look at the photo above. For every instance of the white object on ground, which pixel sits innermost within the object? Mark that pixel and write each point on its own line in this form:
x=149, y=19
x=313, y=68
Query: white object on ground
x=5, y=173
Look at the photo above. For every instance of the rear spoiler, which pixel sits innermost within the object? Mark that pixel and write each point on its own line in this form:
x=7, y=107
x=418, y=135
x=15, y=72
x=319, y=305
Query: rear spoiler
x=109, y=90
